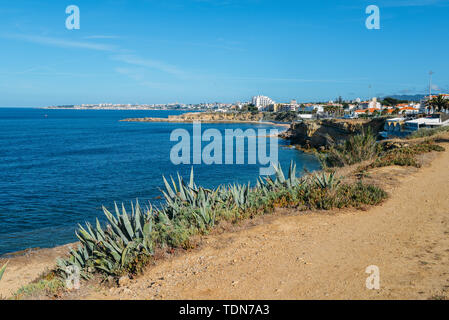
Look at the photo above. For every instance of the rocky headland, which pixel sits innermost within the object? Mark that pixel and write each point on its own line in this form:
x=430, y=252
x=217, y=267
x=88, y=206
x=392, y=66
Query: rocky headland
x=324, y=133
x=207, y=117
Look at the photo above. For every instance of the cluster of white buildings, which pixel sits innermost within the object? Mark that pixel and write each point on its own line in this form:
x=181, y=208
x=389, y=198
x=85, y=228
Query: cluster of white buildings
x=262, y=102
x=374, y=106
x=411, y=116
x=411, y=108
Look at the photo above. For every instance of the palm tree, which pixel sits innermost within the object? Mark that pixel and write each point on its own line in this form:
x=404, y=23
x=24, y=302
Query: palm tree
x=438, y=103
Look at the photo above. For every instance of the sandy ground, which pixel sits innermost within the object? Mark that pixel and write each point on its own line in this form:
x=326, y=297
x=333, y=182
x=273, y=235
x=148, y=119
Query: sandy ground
x=320, y=255
x=26, y=267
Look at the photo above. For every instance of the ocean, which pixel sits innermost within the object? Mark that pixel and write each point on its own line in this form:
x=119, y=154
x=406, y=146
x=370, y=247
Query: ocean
x=58, y=167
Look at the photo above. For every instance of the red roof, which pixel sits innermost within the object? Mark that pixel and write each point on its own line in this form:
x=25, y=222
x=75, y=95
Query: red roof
x=369, y=110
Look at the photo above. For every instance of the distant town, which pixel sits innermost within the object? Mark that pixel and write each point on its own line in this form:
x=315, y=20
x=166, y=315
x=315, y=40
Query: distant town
x=340, y=107
x=404, y=116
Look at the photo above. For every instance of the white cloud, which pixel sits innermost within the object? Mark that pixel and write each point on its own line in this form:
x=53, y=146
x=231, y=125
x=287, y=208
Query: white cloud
x=101, y=37
x=149, y=63
x=63, y=43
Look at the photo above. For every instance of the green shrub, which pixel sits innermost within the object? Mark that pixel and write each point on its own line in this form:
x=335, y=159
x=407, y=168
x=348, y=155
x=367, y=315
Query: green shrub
x=405, y=156
x=342, y=196
x=356, y=149
x=425, y=132
x=45, y=287
x=354, y=195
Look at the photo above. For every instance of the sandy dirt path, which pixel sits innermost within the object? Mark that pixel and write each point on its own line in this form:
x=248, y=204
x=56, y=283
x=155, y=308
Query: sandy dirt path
x=321, y=256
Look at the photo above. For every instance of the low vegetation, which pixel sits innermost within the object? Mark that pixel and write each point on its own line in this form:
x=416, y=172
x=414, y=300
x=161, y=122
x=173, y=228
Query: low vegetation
x=41, y=288
x=356, y=149
x=364, y=147
x=405, y=156
x=423, y=133
x=127, y=243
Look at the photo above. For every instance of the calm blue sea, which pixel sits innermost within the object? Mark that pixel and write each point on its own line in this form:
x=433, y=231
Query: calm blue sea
x=57, y=167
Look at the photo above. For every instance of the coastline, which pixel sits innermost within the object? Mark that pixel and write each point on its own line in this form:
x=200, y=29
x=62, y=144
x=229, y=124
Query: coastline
x=118, y=109
x=167, y=120
x=379, y=221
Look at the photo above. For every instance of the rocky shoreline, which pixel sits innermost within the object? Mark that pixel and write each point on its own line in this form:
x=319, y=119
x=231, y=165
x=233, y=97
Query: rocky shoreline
x=216, y=117
x=321, y=134
x=304, y=135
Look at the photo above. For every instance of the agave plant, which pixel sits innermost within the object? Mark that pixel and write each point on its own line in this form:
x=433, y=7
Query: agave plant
x=240, y=195
x=129, y=237
x=326, y=181
x=281, y=181
x=125, y=238
x=183, y=195
x=2, y=270
x=182, y=191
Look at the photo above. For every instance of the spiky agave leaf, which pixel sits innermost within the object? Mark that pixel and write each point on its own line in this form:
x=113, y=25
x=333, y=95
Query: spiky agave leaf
x=108, y=249
x=2, y=270
x=326, y=181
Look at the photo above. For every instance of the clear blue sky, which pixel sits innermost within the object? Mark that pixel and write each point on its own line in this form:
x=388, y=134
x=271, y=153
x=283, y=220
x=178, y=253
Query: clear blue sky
x=160, y=51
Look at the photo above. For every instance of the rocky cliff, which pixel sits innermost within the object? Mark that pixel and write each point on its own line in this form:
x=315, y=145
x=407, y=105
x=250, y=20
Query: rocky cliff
x=323, y=133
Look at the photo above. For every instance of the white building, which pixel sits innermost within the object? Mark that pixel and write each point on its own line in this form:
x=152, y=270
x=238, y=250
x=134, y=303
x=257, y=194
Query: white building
x=373, y=103
x=432, y=121
x=319, y=108
x=261, y=102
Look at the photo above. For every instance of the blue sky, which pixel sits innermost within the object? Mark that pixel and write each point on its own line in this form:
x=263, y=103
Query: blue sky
x=161, y=51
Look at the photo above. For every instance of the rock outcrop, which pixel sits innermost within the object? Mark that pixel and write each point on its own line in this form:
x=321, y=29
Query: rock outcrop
x=205, y=117
x=324, y=133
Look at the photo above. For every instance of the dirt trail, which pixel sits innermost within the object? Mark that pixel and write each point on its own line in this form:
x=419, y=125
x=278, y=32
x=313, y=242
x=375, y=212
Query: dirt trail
x=321, y=256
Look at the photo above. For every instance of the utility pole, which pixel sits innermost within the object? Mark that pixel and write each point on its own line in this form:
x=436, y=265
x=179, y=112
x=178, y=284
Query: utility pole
x=430, y=85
